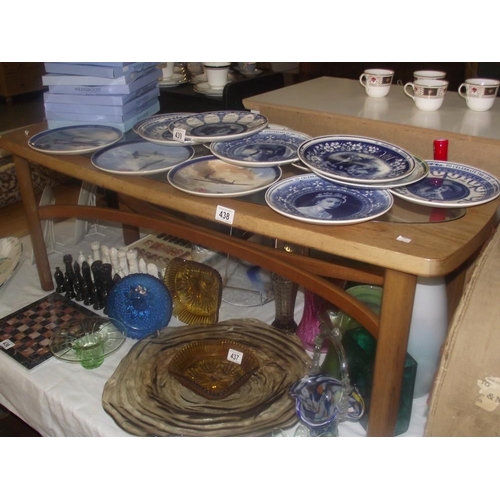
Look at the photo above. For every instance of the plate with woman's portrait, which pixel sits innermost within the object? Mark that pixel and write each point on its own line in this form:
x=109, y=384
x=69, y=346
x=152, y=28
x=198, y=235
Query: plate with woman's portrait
x=267, y=148
x=420, y=171
x=209, y=176
x=361, y=159
x=313, y=199
x=451, y=185
x=219, y=125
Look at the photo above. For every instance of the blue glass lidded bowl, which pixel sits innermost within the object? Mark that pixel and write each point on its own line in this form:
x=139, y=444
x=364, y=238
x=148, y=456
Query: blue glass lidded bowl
x=142, y=303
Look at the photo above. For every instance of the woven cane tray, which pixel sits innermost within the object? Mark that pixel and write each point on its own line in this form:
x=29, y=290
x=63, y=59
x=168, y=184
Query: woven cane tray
x=145, y=399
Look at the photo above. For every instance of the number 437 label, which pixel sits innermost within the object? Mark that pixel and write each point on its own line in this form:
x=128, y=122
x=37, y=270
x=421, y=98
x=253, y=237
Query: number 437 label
x=235, y=356
x=224, y=214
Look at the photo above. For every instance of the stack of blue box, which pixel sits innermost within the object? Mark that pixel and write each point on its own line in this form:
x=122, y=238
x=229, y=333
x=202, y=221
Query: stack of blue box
x=118, y=94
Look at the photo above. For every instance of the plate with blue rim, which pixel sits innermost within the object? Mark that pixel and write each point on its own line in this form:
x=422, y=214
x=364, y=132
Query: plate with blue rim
x=420, y=171
x=220, y=125
x=75, y=139
x=313, y=199
x=209, y=176
x=356, y=158
x=451, y=185
x=155, y=129
x=140, y=158
x=264, y=149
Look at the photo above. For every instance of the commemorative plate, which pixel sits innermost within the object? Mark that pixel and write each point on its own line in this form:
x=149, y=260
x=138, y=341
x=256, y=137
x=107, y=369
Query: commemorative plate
x=313, y=199
x=140, y=158
x=266, y=148
x=360, y=159
x=220, y=125
x=155, y=129
x=75, y=140
x=211, y=177
x=420, y=171
x=451, y=185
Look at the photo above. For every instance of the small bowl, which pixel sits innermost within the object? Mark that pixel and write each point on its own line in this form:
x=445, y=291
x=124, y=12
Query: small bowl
x=87, y=341
x=213, y=369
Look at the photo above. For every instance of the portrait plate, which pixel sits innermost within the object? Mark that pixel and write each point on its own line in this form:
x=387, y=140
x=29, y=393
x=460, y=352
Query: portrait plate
x=211, y=177
x=140, y=158
x=155, y=129
x=313, y=199
x=451, y=185
x=220, y=125
x=361, y=159
x=420, y=171
x=267, y=148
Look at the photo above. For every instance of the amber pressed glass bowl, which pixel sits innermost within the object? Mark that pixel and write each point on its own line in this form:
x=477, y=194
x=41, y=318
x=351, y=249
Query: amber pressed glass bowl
x=213, y=369
x=196, y=291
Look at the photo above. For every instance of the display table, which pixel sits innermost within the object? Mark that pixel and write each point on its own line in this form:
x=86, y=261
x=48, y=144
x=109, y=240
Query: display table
x=63, y=399
x=388, y=254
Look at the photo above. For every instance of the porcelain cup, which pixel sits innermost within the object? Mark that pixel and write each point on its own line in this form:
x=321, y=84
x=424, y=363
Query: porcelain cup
x=428, y=75
x=479, y=93
x=428, y=95
x=217, y=73
x=168, y=70
x=377, y=82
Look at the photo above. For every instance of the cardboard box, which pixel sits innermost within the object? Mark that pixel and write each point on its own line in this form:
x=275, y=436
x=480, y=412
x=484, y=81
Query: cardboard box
x=465, y=400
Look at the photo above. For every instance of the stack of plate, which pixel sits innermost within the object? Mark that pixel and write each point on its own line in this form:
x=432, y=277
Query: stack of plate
x=353, y=179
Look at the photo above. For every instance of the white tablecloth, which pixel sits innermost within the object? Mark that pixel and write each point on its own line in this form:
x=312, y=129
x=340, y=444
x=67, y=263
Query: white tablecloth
x=63, y=399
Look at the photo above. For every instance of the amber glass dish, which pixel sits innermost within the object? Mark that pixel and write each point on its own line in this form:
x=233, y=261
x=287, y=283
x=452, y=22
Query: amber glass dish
x=206, y=367
x=196, y=291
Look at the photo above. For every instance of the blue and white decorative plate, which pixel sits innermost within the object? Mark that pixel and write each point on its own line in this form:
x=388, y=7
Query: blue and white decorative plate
x=420, y=171
x=309, y=198
x=75, y=140
x=140, y=158
x=220, y=125
x=211, y=177
x=264, y=149
x=155, y=129
x=361, y=159
x=451, y=185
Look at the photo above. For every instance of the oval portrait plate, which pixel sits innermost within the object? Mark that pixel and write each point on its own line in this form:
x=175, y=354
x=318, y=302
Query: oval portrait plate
x=264, y=149
x=360, y=159
x=309, y=198
x=451, y=185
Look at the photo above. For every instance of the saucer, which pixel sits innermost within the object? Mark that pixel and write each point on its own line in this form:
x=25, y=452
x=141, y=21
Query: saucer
x=204, y=88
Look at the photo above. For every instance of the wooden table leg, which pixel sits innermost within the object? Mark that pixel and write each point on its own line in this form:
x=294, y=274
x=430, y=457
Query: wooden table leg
x=395, y=319
x=23, y=172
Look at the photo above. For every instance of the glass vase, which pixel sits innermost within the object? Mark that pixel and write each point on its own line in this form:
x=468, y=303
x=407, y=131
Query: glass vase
x=285, y=294
x=310, y=324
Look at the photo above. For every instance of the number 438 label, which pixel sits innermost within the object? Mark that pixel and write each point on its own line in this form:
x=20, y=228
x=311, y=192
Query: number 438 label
x=224, y=214
x=235, y=356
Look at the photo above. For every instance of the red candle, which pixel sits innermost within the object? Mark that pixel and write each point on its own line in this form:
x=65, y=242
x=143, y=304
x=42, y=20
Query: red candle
x=441, y=149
